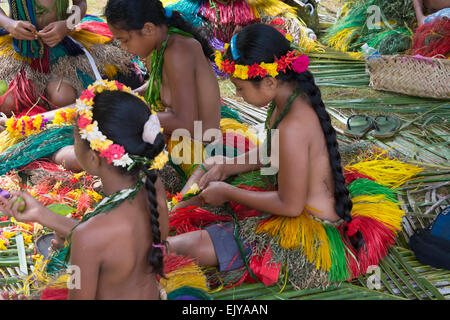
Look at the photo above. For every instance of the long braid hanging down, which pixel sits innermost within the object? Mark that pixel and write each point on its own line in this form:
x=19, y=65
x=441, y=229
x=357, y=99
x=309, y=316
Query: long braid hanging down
x=343, y=204
x=156, y=254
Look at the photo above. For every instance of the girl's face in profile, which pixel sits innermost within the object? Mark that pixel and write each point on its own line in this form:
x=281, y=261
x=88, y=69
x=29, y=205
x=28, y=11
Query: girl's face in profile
x=140, y=43
x=257, y=94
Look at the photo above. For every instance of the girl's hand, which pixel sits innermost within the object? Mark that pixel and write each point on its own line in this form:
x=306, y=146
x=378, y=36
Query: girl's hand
x=54, y=33
x=22, y=30
x=194, y=201
x=58, y=242
x=215, y=167
x=215, y=194
x=11, y=206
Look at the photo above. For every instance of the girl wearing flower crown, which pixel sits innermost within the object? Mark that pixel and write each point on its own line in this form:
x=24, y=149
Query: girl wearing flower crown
x=296, y=224
x=118, y=246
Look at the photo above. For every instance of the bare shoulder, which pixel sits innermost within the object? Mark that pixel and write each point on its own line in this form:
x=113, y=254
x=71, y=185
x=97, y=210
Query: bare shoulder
x=301, y=120
x=93, y=233
x=182, y=49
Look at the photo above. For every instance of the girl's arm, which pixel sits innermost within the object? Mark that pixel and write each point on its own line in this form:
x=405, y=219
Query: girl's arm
x=142, y=89
x=50, y=115
x=180, y=69
x=418, y=8
x=290, y=198
x=217, y=169
x=21, y=30
x=85, y=262
x=53, y=33
x=36, y=212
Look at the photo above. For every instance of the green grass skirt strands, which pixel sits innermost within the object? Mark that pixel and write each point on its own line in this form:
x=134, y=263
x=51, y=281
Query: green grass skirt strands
x=390, y=35
x=227, y=112
x=368, y=187
x=35, y=147
x=254, y=179
x=339, y=270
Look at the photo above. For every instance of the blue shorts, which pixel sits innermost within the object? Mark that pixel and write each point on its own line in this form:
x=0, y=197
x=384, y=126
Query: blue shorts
x=225, y=246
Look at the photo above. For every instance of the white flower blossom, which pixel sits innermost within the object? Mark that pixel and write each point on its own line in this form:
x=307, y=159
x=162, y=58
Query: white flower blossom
x=125, y=161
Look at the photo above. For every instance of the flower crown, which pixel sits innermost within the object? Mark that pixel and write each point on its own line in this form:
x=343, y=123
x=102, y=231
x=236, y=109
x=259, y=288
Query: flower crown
x=89, y=130
x=294, y=60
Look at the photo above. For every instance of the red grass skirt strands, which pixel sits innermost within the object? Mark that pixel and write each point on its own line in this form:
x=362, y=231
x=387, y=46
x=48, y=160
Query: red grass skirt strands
x=432, y=40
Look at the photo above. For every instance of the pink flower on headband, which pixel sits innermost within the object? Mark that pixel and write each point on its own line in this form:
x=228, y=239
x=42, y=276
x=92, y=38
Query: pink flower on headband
x=301, y=64
x=87, y=95
x=83, y=122
x=119, y=86
x=114, y=152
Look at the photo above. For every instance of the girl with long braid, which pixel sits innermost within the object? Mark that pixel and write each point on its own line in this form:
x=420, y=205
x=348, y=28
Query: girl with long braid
x=298, y=223
x=119, y=245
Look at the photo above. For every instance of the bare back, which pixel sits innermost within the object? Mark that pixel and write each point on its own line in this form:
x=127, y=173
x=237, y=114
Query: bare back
x=113, y=260
x=304, y=141
x=202, y=80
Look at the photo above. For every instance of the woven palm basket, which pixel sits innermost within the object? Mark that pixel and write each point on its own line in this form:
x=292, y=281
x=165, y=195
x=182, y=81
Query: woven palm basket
x=415, y=76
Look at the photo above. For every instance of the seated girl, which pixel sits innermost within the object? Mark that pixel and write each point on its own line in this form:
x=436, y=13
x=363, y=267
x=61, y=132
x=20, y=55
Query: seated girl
x=183, y=87
x=119, y=246
x=43, y=59
x=302, y=227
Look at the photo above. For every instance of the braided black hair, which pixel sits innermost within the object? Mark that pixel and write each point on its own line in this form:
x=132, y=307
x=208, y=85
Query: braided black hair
x=110, y=109
x=133, y=14
x=262, y=43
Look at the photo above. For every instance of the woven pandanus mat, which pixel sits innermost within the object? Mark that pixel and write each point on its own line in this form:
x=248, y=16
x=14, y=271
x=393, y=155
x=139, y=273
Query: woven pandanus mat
x=411, y=75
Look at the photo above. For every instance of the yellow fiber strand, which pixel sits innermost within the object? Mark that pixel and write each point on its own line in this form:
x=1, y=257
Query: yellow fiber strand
x=390, y=173
x=168, y=2
x=186, y=152
x=87, y=39
x=38, y=279
x=341, y=40
x=190, y=276
x=231, y=125
x=110, y=70
x=272, y=7
x=285, y=280
x=291, y=232
x=315, y=242
x=379, y=208
x=7, y=49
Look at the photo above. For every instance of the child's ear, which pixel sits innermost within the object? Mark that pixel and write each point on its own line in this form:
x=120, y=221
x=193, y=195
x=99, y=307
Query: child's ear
x=148, y=29
x=269, y=83
x=94, y=159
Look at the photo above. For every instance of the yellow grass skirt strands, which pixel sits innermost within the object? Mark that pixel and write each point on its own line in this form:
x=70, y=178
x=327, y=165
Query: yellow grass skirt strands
x=379, y=208
x=88, y=39
x=190, y=275
x=341, y=40
x=197, y=150
x=388, y=172
x=272, y=7
x=232, y=125
x=291, y=233
x=7, y=49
